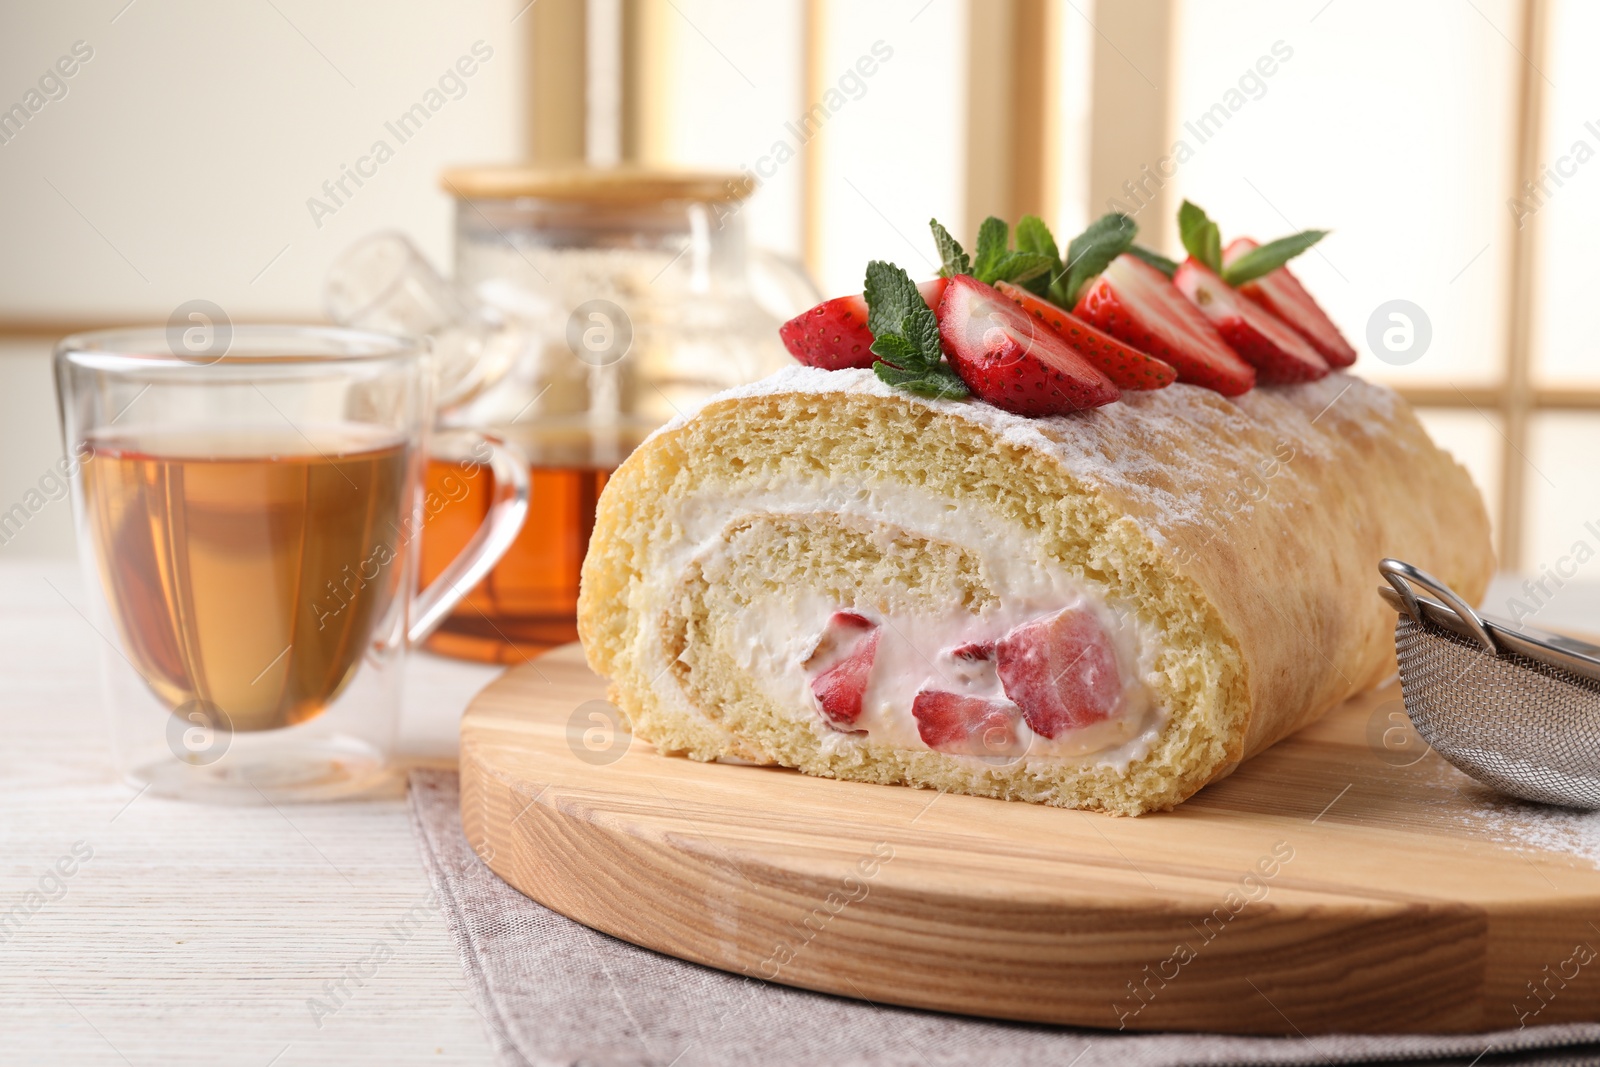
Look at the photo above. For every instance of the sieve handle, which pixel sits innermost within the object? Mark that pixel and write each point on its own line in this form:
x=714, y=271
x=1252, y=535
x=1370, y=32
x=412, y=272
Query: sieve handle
x=1403, y=576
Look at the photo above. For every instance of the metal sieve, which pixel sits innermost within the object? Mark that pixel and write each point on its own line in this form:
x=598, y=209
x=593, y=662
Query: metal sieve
x=1517, y=709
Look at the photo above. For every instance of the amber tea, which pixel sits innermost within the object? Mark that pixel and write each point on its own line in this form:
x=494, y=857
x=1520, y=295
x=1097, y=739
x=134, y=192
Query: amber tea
x=246, y=569
x=529, y=602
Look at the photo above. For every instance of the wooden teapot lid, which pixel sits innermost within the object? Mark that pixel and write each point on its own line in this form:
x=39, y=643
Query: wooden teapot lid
x=610, y=185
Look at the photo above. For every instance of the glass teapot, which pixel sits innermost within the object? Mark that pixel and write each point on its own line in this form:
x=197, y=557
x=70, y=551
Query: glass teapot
x=589, y=307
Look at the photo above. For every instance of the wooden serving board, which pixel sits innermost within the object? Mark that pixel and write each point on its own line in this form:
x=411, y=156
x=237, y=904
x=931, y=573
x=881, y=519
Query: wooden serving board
x=1330, y=884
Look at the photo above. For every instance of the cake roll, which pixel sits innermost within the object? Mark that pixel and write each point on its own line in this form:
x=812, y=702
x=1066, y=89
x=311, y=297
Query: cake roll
x=1106, y=610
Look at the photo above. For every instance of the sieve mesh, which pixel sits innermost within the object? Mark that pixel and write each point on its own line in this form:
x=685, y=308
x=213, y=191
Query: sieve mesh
x=1526, y=728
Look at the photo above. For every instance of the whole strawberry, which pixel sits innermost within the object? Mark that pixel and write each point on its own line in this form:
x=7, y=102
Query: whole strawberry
x=834, y=335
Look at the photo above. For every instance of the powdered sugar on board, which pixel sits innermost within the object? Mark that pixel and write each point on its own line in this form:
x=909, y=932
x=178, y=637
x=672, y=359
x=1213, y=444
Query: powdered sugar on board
x=1506, y=821
x=1547, y=829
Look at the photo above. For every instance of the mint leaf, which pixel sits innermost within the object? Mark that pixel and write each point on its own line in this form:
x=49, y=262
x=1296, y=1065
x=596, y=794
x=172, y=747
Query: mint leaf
x=992, y=241
x=1018, y=267
x=1201, y=237
x=1270, y=256
x=940, y=383
x=951, y=254
x=1034, y=236
x=1166, y=266
x=921, y=328
x=1090, y=253
x=906, y=335
x=895, y=350
x=993, y=261
x=892, y=297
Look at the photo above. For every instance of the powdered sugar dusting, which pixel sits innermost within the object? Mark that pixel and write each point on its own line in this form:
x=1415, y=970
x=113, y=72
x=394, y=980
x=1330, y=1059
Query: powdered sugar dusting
x=1132, y=450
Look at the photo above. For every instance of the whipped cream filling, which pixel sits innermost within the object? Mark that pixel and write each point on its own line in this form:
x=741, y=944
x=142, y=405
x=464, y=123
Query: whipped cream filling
x=914, y=654
x=775, y=641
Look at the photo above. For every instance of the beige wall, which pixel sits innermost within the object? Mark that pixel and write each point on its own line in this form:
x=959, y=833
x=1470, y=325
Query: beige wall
x=177, y=160
x=181, y=159
x=30, y=445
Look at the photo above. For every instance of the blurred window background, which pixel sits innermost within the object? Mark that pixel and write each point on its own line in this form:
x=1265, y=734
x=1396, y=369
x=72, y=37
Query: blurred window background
x=1449, y=144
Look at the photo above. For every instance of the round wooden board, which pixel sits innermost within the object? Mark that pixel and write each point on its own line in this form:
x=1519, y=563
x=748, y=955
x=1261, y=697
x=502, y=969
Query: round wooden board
x=1323, y=887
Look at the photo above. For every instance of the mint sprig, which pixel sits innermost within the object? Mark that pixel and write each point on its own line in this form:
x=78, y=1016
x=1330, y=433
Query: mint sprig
x=993, y=260
x=906, y=336
x=1037, y=264
x=1203, y=241
x=1269, y=257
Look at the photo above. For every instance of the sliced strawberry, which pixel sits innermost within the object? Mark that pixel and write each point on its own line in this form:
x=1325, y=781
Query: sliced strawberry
x=1061, y=670
x=975, y=652
x=1128, y=367
x=971, y=726
x=1136, y=304
x=1281, y=293
x=1279, y=355
x=840, y=632
x=843, y=659
x=932, y=291
x=834, y=335
x=1011, y=361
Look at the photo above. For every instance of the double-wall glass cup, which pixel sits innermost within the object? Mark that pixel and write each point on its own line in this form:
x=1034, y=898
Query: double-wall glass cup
x=249, y=514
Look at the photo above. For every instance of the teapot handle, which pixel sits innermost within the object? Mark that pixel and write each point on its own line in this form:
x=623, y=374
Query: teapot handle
x=508, y=507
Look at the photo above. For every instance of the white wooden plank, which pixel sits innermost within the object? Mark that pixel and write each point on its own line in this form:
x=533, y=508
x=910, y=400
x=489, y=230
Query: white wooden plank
x=201, y=934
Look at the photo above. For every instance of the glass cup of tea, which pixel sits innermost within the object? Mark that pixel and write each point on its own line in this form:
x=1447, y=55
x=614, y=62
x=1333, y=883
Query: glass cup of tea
x=249, y=504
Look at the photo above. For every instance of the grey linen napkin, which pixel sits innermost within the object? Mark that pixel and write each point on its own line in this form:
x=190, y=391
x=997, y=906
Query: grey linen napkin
x=552, y=991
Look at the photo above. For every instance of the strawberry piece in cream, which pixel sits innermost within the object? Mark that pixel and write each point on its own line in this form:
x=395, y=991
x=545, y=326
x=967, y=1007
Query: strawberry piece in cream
x=843, y=663
x=972, y=726
x=1061, y=670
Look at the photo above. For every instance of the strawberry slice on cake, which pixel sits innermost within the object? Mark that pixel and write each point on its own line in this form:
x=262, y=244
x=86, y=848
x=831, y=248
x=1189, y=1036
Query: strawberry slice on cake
x=1281, y=293
x=1010, y=360
x=1126, y=366
x=1135, y=303
x=1279, y=355
x=1105, y=279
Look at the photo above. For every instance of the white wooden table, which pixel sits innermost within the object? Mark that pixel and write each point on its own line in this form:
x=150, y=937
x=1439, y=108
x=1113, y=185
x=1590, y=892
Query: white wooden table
x=222, y=935
x=205, y=934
